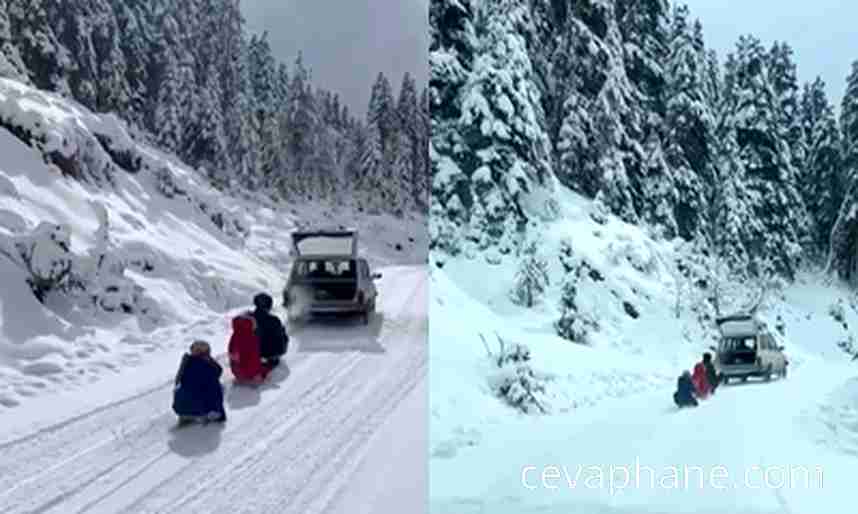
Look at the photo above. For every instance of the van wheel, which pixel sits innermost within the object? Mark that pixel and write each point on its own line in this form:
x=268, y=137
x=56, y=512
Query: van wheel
x=768, y=376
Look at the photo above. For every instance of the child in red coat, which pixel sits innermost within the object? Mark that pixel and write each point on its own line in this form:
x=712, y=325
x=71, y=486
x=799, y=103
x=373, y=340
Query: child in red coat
x=245, y=360
x=701, y=381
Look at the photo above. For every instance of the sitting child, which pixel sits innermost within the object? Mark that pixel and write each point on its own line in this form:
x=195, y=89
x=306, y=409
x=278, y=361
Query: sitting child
x=711, y=373
x=684, y=395
x=701, y=381
x=245, y=359
x=198, y=395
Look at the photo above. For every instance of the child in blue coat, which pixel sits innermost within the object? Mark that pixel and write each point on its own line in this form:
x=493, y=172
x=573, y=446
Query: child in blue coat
x=198, y=395
x=685, y=392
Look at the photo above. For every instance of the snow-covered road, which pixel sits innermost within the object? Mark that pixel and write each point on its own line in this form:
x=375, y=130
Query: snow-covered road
x=752, y=448
x=292, y=446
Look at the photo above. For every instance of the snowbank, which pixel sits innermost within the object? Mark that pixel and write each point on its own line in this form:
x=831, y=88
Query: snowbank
x=126, y=245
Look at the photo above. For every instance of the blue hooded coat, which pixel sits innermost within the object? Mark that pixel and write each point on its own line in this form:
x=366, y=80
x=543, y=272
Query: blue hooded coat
x=685, y=392
x=198, y=390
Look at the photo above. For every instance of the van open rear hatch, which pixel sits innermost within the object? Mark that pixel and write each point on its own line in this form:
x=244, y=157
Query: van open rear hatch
x=325, y=243
x=738, y=346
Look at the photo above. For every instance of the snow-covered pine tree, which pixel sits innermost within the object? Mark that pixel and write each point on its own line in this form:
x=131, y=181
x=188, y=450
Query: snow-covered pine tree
x=208, y=143
x=581, y=66
x=820, y=173
x=358, y=140
x=320, y=162
x=731, y=223
x=300, y=122
x=372, y=165
x=31, y=29
x=409, y=158
x=173, y=102
x=452, y=50
x=385, y=118
x=644, y=26
x=381, y=122
x=605, y=125
x=783, y=76
x=139, y=38
x=506, y=152
x=689, y=125
x=400, y=175
x=779, y=220
x=849, y=124
x=11, y=65
x=267, y=101
x=843, y=256
x=95, y=70
x=241, y=138
x=532, y=278
x=422, y=172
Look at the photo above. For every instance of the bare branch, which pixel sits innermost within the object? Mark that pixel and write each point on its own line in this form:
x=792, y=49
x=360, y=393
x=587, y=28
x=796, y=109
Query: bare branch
x=502, y=347
x=486, y=345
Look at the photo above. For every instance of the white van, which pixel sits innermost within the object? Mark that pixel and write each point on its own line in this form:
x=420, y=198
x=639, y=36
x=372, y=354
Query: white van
x=328, y=276
x=748, y=348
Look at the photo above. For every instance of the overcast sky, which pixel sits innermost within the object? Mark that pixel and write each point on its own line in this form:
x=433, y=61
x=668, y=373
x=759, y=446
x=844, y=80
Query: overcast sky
x=347, y=42
x=822, y=33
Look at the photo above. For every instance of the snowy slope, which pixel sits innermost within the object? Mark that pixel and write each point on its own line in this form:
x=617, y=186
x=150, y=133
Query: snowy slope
x=177, y=253
x=609, y=401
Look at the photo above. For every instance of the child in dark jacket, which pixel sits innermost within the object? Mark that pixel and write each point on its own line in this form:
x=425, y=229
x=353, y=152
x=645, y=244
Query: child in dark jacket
x=198, y=394
x=273, y=340
x=711, y=373
x=685, y=391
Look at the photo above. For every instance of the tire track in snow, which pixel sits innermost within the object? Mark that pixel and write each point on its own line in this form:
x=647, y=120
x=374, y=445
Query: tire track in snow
x=309, y=472
x=131, y=464
x=137, y=439
x=311, y=461
x=346, y=454
x=258, y=429
x=51, y=443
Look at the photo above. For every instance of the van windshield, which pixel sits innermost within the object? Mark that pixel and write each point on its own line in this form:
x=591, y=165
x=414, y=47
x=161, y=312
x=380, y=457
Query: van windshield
x=327, y=268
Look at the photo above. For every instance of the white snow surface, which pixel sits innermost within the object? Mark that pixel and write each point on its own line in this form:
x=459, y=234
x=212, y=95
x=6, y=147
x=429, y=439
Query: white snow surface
x=610, y=402
x=85, y=419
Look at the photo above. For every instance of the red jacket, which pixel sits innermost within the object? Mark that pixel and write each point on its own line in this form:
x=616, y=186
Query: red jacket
x=701, y=382
x=244, y=358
